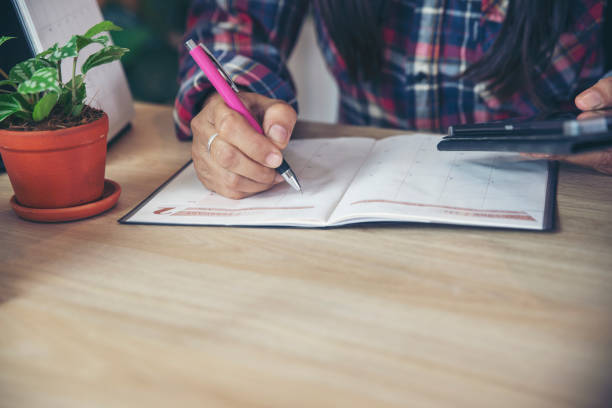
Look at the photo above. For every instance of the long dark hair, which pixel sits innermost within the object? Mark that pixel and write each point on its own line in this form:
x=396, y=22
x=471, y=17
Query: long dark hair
x=527, y=38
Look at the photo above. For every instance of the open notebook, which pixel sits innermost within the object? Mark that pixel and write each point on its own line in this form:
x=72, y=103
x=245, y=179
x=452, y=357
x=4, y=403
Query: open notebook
x=353, y=180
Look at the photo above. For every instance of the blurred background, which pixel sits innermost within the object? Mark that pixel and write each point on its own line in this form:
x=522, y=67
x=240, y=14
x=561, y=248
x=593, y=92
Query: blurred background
x=153, y=31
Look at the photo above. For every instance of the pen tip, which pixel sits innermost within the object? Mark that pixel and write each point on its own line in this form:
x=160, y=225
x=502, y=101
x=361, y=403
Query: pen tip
x=290, y=178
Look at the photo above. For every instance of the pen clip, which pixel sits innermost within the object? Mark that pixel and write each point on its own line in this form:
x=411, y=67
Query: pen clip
x=222, y=71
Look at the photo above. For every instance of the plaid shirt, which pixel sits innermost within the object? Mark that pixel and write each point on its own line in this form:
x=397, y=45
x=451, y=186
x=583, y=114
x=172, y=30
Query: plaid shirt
x=428, y=43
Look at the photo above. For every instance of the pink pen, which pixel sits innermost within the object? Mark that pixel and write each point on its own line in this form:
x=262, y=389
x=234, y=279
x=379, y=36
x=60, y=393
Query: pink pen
x=228, y=90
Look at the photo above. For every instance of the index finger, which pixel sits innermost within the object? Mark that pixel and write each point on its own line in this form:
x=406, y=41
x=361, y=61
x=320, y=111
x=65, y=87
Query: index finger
x=235, y=130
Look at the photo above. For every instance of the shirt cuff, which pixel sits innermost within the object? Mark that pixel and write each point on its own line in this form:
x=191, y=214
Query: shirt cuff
x=245, y=72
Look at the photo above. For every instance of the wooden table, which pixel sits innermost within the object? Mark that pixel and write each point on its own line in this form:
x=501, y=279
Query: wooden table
x=97, y=314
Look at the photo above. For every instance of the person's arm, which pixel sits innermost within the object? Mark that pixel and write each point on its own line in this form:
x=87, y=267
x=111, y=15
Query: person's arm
x=251, y=39
x=599, y=96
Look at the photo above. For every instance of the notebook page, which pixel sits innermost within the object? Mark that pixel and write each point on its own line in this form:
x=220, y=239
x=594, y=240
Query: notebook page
x=50, y=22
x=325, y=167
x=406, y=178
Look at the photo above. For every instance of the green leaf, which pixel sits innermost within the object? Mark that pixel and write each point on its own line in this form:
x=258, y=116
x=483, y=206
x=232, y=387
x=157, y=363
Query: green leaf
x=24, y=70
x=77, y=109
x=100, y=27
x=80, y=89
x=25, y=115
x=8, y=106
x=44, y=106
x=64, y=99
x=66, y=96
x=45, y=79
x=8, y=82
x=55, y=53
x=5, y=38
x=46, y=53
x=82, y=41
x=79, y=80
x=25, y=105
x=67, y=51
x=104, y=56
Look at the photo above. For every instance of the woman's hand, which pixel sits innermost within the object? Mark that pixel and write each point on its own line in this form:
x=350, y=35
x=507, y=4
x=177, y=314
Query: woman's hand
x=598, y=96
x=241, y=161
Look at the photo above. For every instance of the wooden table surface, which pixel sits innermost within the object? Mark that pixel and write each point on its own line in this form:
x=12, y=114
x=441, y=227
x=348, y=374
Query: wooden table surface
x=97, y=314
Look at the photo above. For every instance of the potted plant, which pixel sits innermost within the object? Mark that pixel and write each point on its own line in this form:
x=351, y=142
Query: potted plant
x=52, y=143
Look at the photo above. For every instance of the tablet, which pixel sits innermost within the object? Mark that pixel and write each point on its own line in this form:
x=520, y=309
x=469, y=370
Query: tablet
x=562, y=133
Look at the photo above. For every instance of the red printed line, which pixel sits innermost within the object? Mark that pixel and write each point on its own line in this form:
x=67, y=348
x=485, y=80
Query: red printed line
x=445, y=207
x=203, y=214
x=247, y=209
x=163, y=210
x=523, y=217
x=226, y=212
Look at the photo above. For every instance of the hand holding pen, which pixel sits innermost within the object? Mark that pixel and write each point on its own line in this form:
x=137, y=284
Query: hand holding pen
x=232, y=154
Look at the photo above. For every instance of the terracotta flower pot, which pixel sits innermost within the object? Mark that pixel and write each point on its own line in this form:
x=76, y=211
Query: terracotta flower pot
x=56, y=168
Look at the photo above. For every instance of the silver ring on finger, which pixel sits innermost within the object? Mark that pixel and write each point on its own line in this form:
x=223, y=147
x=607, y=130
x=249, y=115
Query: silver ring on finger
x=210, y=141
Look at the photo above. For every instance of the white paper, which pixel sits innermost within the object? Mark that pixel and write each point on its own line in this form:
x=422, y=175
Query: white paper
x=406, y=178
x=348, y=180
x=325, y=168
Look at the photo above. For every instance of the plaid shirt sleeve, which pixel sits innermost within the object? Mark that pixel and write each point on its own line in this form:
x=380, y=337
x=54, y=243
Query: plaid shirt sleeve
x=252, y=39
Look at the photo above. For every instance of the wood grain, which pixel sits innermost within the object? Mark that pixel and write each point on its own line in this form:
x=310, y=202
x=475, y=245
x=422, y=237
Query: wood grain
x=97, y=314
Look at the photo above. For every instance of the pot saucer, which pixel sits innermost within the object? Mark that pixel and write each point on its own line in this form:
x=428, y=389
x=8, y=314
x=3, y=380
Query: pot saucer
x=109, y=198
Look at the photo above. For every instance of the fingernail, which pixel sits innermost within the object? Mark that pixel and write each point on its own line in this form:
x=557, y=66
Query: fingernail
x=537, y=155
x=279, y=134
x=274, y=159
x=591, y=100
x=278, y=178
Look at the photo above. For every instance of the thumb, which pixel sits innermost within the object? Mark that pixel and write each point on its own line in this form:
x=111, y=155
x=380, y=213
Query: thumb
x=599, y=96
x=278, y=118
